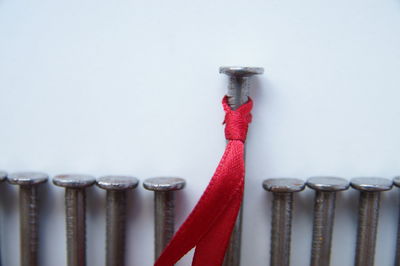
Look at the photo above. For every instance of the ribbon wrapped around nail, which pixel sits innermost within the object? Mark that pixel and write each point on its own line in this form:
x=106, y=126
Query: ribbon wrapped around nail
x=209, y=226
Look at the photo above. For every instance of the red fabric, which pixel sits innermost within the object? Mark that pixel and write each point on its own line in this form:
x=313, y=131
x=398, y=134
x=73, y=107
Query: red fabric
x=209, y=226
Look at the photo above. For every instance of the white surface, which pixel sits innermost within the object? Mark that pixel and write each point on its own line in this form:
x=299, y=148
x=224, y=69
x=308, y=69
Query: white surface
x=132, y=87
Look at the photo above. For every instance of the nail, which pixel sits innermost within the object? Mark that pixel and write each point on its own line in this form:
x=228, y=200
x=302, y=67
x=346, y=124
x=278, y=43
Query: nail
x=3, y=177
x=29, y=214
x=238, y=94
x=281, y=224
x=396, y=182
x=368, y=212
x=164, y=208
x=117, y=188
x=324, y=214
x=75, y=210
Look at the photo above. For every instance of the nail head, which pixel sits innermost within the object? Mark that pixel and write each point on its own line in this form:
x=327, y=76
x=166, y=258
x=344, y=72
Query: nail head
x=396, y=181
x=74, y=181
x=27, y=178
x=283, y=185
x=164, y=183
x=241, y=71
x=328, y=183
x=117, y=182
x=372, y=184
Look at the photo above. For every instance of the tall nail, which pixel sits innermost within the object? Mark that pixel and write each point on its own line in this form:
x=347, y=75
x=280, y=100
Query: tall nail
x=164, y=208
x=117, y=188
x=324, y=214
x=238, y=94
x=281, y=224
x=368, y=212
x=75, y=210
x=29, y=214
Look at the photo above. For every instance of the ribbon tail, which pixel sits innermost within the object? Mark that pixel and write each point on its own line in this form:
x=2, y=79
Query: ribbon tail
x=212, y=247
x=223, y=190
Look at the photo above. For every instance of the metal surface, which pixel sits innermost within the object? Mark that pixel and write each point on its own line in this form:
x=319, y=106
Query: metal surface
x=117, y=187
x=396, y=182
x=324, y=214
x=75, y=209
x=164, y=205
x=29, y=216
x=281, y=223
x=368, y=212
x=238, y=93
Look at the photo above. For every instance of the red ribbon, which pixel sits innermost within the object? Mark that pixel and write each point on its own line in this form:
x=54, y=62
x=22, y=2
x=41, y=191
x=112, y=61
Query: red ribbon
x=210, y=224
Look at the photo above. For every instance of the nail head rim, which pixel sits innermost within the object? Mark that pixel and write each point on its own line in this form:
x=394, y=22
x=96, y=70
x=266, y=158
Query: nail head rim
x=241, y=71
x=284, y=185
x=27, y=178
x=371, y=184
x=117, y=182
x=396, y=181
x=164, y=183
x=73, y=180
x=328, y=183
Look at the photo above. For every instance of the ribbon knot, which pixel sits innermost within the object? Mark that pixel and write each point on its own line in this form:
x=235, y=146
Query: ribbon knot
x=237, y=121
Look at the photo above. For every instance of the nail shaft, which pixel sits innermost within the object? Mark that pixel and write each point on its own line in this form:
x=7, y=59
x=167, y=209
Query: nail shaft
x=3, y=177
x=324, y=214
x=75, y=203
x=397, y=255
x=396, y=182
x=367, y=228
x=164, y=213
x=116, y=227
x=281, y=225
x=28, y=209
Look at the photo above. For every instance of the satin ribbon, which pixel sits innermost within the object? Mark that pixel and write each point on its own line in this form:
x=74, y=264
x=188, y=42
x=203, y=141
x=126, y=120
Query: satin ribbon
x=209, y=226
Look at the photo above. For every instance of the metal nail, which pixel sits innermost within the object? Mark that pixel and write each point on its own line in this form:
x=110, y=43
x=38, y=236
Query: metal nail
x=117, y=188
x=281, y=224
x=164, y=208
x=238, y=93
x=3, y=177
x=324, y=214
x=29, y=214
x=368, y=212
x=75, y=209
x=396, y=182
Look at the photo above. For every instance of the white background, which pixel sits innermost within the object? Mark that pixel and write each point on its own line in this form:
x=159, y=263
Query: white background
x=132, y=87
